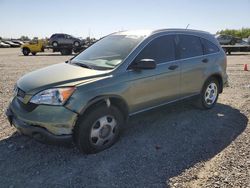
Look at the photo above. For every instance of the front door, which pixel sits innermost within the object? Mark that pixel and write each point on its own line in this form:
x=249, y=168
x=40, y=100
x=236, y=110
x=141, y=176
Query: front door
x=150, y=88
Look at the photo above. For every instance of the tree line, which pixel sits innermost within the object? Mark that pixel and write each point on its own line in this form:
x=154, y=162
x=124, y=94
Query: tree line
x=241, y=33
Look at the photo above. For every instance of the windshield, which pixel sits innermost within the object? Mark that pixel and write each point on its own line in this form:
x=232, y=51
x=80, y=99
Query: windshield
x=109, y=51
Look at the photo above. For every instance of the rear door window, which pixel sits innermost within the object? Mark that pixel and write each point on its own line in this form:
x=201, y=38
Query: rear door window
x=161, y=49
x=209, y=47
x=189, y=46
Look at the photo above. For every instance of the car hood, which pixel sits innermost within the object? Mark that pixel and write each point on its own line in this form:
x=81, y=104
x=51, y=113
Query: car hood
x=58, y=75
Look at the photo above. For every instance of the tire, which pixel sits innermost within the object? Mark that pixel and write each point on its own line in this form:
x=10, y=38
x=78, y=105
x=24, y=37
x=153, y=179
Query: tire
x=26, y=51
x=209, y=94
x=76, y=43
x=66, y=51
x=232, y=42
x=33, y=53
x=99, y=129
x=55, y=44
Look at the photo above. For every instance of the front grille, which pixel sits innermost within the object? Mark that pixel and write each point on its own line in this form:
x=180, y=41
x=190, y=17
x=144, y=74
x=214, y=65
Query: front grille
x=20, y=93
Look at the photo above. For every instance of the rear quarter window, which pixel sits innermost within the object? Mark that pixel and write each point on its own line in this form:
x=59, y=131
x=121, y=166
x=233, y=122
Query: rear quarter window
x=209, y=47
x=189, y=46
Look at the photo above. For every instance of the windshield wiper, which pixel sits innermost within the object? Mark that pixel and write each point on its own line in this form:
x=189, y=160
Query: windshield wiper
x=81, y=65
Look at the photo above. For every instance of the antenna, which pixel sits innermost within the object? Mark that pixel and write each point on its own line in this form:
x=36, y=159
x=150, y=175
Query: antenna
x=187, y=26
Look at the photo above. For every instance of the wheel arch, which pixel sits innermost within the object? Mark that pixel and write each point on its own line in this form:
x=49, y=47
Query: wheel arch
x=108, y=100
x=26, y=47
x=54, y=41
x=218, y=77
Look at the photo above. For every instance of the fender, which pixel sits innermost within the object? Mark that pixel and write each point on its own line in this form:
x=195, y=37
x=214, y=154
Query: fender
x=107, y=99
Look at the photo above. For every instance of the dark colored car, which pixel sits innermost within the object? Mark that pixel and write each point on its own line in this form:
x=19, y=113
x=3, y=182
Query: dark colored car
x=226, y=39
x=60, y=39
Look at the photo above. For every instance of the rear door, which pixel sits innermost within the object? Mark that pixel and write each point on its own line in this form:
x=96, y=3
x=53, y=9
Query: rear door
x=68, y=39
x=154, y=87
x=193, y=64
x=60, y=38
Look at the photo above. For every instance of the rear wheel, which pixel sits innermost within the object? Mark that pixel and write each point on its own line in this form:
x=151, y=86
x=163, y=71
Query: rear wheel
x=98, y=129
x=76, y=43
x=26, y=51
x=54, y=44
x=209, y=94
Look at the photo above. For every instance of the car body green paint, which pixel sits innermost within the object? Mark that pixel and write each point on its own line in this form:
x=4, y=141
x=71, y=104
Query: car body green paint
x=138, y=89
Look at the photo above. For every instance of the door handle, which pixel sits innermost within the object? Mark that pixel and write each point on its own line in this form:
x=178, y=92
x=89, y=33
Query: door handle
x=173, y=67
x=205, y=60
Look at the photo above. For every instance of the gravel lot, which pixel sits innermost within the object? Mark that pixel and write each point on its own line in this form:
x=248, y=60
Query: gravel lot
x=173, y=146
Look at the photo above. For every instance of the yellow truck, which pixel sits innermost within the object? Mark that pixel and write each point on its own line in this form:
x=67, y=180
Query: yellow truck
x=36, y=46
x=33, y=47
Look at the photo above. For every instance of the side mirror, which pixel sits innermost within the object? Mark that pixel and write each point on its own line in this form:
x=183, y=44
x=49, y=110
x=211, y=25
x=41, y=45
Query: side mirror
x=144, y=64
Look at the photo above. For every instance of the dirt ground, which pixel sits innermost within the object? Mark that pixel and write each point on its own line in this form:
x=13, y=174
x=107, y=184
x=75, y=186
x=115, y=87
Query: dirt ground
x=173, y=146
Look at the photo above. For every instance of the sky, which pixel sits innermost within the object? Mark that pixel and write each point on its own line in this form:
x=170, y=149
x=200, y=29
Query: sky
x=42, y=18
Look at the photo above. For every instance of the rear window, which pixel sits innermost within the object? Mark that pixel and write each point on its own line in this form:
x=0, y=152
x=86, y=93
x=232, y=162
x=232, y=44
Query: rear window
x=189, y=46
x=209, y=47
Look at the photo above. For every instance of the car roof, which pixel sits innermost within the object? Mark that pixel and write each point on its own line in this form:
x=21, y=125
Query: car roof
x=59, y=34
x=179, y=30
x=151, y=32
x=147, y=33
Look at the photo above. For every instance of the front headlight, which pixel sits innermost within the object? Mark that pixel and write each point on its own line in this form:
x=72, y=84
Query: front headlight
x=55, y=96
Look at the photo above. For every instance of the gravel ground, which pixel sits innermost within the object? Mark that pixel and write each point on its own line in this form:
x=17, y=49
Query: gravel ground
x=173, y=146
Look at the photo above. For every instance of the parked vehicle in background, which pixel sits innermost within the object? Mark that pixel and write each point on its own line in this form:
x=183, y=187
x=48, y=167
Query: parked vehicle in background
x=89, y=98
x=12, y=44
x=17, y=42
x=36, y=46
x=4, y=45
x=242, y=42
x=60, y=39
x=241, y=45
x=226, y=39
x=33, y=47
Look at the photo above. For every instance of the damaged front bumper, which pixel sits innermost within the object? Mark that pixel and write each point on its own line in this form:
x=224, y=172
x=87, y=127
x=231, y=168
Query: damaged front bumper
x=51, y=124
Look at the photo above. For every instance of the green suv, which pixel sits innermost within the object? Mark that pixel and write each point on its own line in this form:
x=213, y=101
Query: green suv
x=89, y=98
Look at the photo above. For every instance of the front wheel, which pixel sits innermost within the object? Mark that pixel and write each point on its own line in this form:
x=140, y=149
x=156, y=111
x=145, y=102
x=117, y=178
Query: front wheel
x=26, y=51
x=98, y=129
x=209, y=94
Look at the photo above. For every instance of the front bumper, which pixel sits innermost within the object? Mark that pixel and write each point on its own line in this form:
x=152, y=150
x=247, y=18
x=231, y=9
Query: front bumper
x=53, y=124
